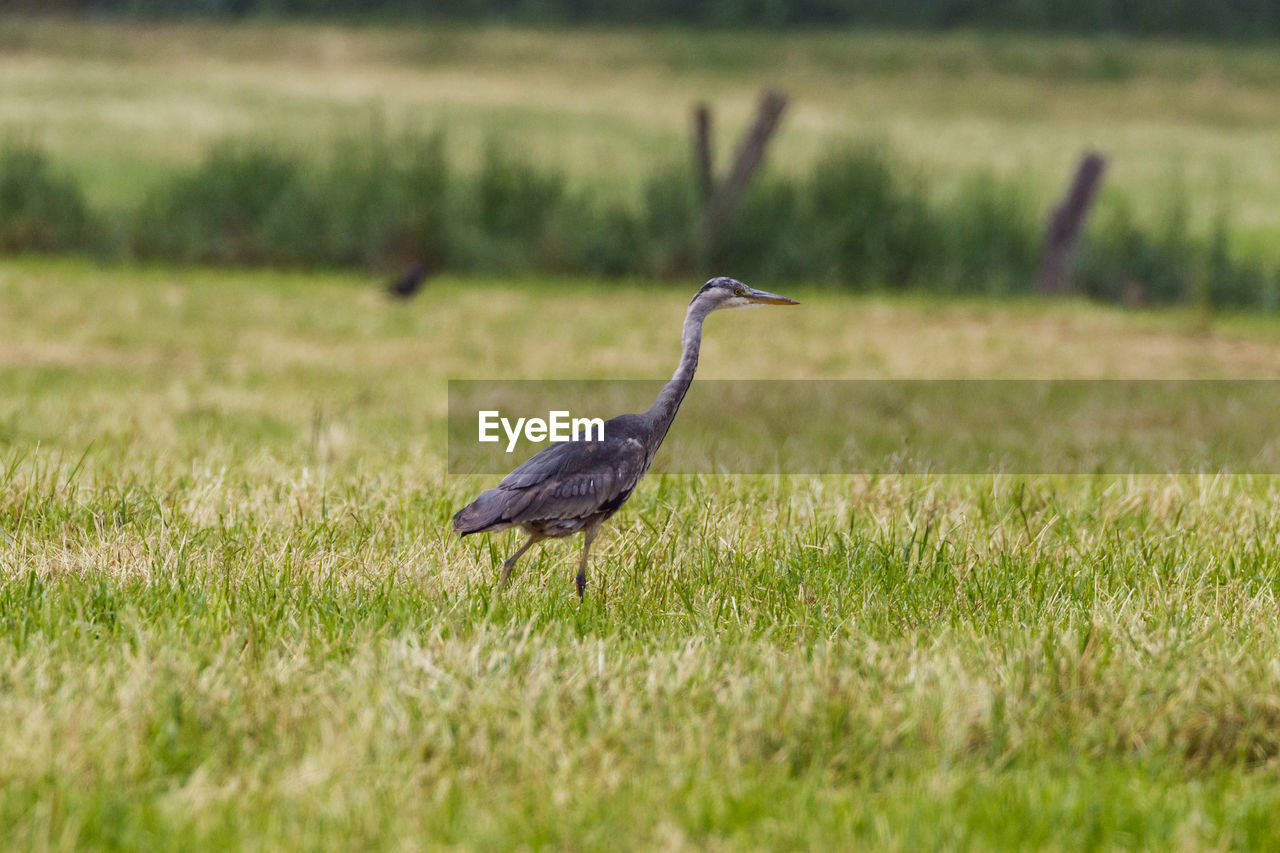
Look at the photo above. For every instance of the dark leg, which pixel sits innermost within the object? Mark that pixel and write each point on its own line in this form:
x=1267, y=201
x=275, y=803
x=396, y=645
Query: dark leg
x=510, y=563
x=587, y=537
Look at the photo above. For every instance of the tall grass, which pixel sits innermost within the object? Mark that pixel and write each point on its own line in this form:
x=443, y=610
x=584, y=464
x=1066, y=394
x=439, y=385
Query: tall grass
x=367, y=203
x=858, y=219
x=40, y=209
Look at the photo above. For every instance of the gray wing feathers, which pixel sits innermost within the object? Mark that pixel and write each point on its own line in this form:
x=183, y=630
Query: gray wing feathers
x=482, y=513
x=573, y=480
x=547, y=463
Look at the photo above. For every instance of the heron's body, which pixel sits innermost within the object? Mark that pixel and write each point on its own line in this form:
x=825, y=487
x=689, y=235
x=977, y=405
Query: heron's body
x=574, y=487
x=566, y=488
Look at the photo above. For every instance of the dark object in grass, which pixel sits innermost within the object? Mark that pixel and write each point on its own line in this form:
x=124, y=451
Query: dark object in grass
x=408, y=282
x=575, y=486
x=1065, y=224
x=727, y=193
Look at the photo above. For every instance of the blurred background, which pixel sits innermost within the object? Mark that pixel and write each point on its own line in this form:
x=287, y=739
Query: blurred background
x=915, y=146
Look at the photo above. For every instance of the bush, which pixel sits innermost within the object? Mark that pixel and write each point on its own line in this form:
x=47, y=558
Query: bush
x=990, y=238
x=369, y=203
x=40, y=210
x=858, y=219
x=516, y=198
x=1120, y=261
x=373, y=201
x=504, y=214
x=868, y=224
x=597, y=237
x=765, y=239
x=669, y=214
x=219, y=211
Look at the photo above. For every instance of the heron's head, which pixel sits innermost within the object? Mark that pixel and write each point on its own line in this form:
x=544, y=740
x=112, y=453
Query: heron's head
x=725, y=292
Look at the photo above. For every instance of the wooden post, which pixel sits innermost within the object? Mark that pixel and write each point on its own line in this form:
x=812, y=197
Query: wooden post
x=1065, y=224
x=703, y=156
x=748, y=157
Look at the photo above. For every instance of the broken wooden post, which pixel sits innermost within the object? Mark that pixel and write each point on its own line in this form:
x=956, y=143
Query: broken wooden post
x=749, y=155
x=703, y=162
x=1065, y=224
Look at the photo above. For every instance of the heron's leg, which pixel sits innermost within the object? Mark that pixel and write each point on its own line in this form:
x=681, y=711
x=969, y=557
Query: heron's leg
x=510, y=563
x=588, y=535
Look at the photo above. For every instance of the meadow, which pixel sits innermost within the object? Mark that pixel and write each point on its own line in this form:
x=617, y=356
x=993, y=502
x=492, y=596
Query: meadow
x=232, y=613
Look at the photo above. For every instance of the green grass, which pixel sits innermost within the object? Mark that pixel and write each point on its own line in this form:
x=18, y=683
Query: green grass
x=121, y=103
x=232, y=614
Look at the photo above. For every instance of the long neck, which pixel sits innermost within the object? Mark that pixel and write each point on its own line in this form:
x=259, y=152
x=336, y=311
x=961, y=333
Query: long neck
x=663, y=411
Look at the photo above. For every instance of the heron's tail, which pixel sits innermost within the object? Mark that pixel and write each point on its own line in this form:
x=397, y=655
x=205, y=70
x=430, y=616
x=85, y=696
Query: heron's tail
x=483, y=513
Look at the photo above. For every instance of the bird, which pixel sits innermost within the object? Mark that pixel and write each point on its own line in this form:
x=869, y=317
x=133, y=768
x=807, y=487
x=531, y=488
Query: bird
x=575, y=486
x=408, y=282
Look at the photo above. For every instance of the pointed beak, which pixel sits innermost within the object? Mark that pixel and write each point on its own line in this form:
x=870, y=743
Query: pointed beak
x=763, y=297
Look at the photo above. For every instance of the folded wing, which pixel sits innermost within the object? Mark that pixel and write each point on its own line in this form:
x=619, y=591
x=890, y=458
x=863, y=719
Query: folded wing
x=568, y=483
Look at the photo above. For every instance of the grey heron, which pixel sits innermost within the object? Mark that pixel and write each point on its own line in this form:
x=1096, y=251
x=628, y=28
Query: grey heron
x=573, y=487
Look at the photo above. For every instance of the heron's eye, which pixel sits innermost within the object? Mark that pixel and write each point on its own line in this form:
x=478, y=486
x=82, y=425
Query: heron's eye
x=739, y=291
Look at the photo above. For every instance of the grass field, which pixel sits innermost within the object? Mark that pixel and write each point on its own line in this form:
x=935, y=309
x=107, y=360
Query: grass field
x=232, y=614
x=121, y=103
